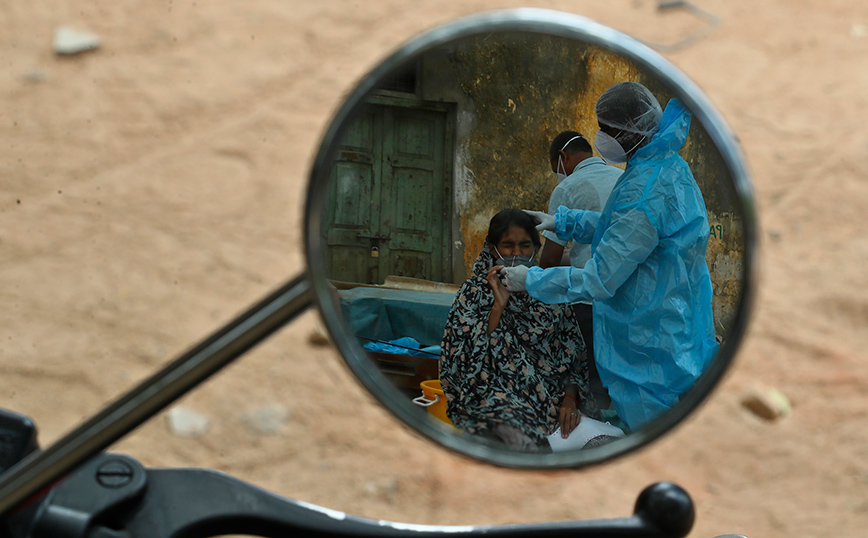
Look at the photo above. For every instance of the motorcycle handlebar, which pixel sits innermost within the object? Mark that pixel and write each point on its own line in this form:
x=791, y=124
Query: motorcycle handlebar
x=114, y=496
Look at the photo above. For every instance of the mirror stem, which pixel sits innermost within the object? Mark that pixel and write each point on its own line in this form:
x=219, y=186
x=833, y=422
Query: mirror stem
x=156, y=393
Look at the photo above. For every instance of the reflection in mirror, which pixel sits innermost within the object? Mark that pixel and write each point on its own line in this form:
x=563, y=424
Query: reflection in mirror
x=448, y=140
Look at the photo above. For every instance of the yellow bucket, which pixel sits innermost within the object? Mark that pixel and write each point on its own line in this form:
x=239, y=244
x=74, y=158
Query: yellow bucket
x=434, y=399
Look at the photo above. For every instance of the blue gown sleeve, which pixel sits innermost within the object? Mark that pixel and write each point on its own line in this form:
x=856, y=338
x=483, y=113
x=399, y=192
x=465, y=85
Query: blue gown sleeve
x=628, y=241
x=578, y=225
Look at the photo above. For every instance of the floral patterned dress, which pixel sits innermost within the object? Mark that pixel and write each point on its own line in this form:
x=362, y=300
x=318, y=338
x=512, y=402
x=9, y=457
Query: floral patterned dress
x=516, y=375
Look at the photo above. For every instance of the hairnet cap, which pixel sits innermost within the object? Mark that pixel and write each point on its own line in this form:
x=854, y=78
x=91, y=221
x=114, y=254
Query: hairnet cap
x=631, y=107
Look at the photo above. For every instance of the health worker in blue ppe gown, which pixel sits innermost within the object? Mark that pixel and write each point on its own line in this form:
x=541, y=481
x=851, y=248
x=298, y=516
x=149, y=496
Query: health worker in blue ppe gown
x=647, y=276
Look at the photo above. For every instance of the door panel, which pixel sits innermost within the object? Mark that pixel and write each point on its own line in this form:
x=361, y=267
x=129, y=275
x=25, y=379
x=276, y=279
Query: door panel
x=416, y=205
x=391, y=185
x=354, y=211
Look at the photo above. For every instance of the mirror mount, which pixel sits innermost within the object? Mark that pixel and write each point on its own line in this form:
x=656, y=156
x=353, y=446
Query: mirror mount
x=156, y=393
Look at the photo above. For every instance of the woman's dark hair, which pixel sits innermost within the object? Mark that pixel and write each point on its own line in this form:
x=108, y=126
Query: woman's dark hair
x=501, y=222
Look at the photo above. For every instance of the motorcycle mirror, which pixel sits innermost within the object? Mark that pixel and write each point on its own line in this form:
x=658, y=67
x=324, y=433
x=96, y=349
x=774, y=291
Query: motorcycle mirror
x=453, y=127
x=485, y=92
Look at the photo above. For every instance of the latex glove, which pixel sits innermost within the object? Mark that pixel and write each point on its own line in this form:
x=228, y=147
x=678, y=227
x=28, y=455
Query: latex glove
x=515, y=278
x=544, y=221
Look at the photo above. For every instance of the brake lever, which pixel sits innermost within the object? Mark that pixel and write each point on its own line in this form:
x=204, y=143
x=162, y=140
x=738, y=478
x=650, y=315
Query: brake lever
x=114, y=496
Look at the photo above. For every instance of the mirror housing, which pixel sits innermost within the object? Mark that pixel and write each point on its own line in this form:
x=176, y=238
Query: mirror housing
x=547, y=23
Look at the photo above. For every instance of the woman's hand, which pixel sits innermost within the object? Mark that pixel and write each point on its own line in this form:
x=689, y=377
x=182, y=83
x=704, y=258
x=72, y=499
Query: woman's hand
x=501, y=294
x=569, y=417
x=501, y=297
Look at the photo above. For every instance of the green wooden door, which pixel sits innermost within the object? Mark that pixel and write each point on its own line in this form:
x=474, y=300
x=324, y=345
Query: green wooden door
x=351, y=212
x=390, y=201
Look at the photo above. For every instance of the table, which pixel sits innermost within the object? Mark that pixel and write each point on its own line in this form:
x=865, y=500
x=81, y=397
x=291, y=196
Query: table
x=387, y=314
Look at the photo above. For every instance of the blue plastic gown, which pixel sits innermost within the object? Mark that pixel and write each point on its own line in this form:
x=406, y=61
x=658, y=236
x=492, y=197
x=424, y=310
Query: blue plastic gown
x=647, y=277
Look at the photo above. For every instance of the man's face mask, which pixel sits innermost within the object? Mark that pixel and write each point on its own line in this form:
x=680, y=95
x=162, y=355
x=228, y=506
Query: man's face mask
x=561, y=170
x=515, y=261
x=561, y=173
x=610, y=149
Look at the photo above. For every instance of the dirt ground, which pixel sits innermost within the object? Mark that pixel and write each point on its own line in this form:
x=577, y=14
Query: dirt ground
x=153, y=188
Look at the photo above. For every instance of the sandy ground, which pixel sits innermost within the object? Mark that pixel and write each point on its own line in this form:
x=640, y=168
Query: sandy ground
x=152, y=189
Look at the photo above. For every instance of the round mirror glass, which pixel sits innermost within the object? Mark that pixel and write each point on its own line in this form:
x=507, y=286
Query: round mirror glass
x=416, y=194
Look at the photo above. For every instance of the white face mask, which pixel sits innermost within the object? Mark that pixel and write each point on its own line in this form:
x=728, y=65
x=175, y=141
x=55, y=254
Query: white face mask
x=609, y=148
x=561, y=173
x=515, y=261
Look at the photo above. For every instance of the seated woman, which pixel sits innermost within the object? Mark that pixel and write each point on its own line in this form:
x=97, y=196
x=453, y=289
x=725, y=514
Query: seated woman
x=512, y=368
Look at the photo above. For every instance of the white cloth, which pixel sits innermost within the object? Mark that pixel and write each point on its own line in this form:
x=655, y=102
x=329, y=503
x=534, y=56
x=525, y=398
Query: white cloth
x=587, y=429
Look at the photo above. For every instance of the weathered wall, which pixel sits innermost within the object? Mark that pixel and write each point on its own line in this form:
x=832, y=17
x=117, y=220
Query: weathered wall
x=513, y=96
x=726, y=242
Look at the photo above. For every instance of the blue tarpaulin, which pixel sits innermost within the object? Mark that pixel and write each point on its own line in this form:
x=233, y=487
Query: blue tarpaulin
x=388, y=314
x=403, y=346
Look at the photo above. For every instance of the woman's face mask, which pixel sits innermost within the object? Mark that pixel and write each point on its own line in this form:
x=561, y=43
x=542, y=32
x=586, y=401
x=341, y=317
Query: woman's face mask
x=515, y=261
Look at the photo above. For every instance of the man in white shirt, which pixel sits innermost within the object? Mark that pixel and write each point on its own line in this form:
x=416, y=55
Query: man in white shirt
x=585, y=183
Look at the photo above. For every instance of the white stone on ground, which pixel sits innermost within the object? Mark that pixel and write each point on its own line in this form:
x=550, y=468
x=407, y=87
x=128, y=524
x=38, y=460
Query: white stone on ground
x=184, y=422
x=766, y=402
x=267, y=420
x=71, y=41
